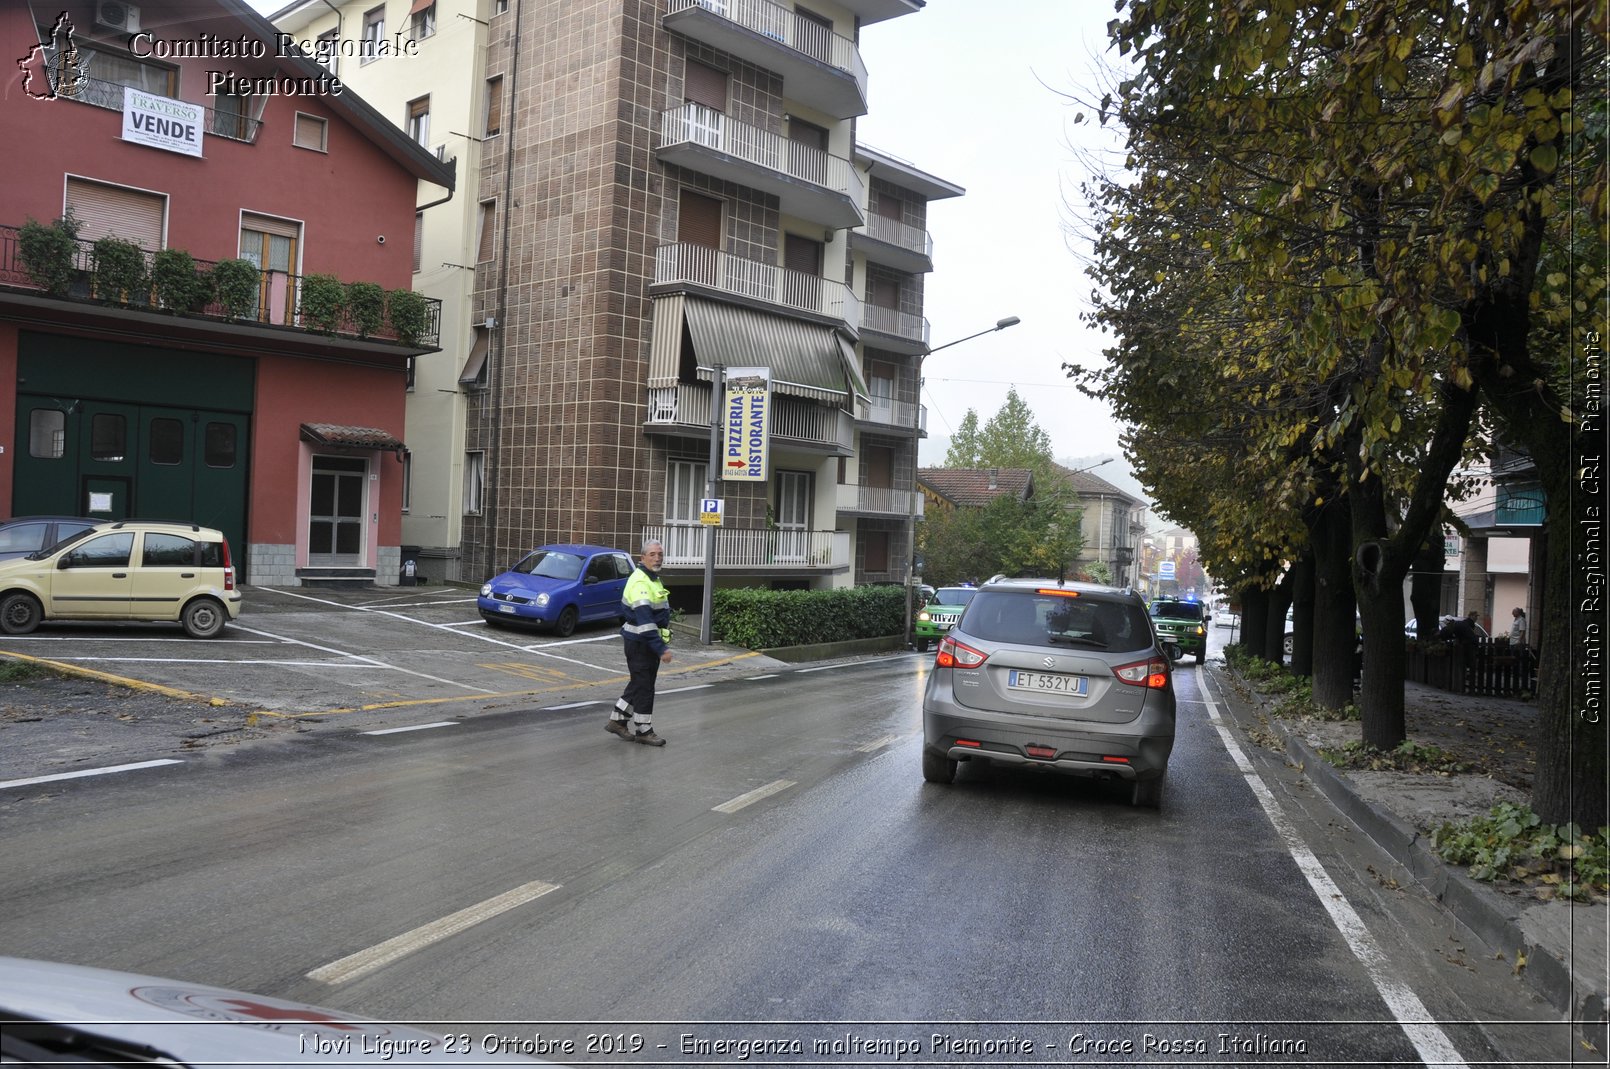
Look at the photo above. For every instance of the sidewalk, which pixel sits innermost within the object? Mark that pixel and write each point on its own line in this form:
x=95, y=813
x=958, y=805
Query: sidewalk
x=1563, y=943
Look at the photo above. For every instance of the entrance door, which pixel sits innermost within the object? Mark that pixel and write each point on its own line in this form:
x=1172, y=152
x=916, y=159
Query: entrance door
x=335, y=517
x=793, y=516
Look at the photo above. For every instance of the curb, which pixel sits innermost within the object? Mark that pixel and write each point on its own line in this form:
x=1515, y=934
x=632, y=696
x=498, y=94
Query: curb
x=1472, y=903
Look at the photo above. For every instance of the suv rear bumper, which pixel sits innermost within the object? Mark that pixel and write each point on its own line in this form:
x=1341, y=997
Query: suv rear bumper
x=1140, y=748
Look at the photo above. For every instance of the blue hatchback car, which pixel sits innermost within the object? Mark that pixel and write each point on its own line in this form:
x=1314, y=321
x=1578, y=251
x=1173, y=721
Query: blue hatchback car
x=558, y=587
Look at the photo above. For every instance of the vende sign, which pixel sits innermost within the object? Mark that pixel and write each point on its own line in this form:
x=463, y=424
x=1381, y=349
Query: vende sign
x=161, y=122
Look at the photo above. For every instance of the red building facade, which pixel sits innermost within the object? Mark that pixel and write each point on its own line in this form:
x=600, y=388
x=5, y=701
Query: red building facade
x=268, y=400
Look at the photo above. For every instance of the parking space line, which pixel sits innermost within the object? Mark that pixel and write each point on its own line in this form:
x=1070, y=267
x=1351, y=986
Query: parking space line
x=221, y=660
x=438, y=627
x=109, y=677
x=78, y=640
x=81, y=773
x=368, y=660
x=381, y=954
x=753, y=796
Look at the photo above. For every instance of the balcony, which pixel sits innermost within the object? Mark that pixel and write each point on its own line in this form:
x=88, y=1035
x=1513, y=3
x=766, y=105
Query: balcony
x=758, y=550
x=886, y=413
x=882, y=501
x=695, y=265
x=683, y=410
x=819, y=67
x=894, y=330
x=276, y=305
x=101, y=93
x=809, y=183
x=893, y=243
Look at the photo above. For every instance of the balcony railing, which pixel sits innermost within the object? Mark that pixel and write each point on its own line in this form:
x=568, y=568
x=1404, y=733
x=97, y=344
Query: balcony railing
x=109, y=95
x=808, y=181
x=753, y=548
x=777, y=38
x=877, y=501
x=895, y=324
x=793, y=420
x=891, y=413
x=890, y=241
x=684, y=264
x=276, y=303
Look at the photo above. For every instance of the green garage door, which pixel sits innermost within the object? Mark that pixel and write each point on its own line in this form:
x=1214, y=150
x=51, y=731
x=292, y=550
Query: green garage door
x=158, y=439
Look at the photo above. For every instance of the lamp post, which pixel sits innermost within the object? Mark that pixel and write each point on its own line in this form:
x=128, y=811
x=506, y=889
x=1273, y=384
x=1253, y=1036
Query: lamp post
x=916, y=434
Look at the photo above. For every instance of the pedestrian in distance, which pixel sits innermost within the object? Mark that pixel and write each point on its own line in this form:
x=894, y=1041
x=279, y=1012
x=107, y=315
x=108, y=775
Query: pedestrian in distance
x=1517, y=627
x=1463, y=629
x=646, y=609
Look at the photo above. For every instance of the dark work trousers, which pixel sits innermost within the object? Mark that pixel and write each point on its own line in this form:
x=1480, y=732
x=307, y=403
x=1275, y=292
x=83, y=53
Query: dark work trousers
x=644, y=666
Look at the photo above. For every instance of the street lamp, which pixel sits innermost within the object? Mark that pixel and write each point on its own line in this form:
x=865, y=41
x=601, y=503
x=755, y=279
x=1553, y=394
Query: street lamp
x=916, y=434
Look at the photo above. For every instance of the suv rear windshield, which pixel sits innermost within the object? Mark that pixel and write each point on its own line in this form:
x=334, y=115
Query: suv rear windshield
x=953, y=595
x=1178, y=610
x=1029, y=618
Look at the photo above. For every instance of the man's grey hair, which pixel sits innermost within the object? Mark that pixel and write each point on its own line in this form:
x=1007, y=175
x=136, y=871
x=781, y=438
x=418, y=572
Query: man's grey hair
x=652, y=543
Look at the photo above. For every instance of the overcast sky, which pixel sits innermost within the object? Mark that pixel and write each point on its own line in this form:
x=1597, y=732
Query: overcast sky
x=973, y=93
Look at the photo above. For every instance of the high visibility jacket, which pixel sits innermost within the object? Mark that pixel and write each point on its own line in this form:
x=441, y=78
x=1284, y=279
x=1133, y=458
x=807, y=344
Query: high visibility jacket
x=646, y=605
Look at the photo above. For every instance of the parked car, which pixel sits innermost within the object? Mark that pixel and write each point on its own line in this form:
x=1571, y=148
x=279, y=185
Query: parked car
x=1224, y=616
x=1057, y=677
x=23, y=535
x=60, y=1014
x=1411, y=629
x=558, y=587
x=126, y=570
x=1182, y=623
x=941, y=612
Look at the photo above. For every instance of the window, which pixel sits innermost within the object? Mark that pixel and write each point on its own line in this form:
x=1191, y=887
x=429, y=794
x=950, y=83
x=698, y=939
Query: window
x=218, y=448
x=270, y=243
x=117, y=211
x=107, y=551
x=167, y=551
x=102, y=74
x=474, y=474
x=47, y=433
x=325, y=50
x=419, y=239
x=407, y=476
x=108, y=437
x=489, y=212
x=877, y=551
x=474, y=372
x=494, y=106
x=167, y=441
x=312, y=132
x=408, y=374
x=704, y=85
x=422, y=19
x=374, y=32
x=500, y=7
x=231, y=116
x=419, y=119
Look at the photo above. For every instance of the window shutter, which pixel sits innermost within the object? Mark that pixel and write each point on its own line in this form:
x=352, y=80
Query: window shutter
x=699, y=220
x=705, y=85
x=489, y=213
x=267, y=224
x=494, y=106
x=115, y=211
x=309, y=132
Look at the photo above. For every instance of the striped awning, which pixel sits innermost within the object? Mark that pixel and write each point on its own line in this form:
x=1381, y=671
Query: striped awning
x=806, y=359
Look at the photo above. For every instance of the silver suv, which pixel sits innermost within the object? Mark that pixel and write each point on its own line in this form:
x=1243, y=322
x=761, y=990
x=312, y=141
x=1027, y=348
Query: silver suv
x=1060, y=677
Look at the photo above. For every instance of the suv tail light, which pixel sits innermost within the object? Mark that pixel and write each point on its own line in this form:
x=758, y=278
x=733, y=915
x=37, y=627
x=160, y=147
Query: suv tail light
x=1152, y=674
x=229, y=568
x=953, y=654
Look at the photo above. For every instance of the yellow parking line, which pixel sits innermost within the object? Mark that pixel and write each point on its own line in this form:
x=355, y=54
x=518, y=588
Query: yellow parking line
x=108, y=677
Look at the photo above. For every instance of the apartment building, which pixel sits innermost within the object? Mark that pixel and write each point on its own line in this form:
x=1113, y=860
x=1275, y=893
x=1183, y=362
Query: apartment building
x=207, y=365
x=655, y=191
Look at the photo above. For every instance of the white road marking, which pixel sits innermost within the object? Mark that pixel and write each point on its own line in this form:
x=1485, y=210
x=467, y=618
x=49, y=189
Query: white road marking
x=772, y=676
x=368, y=660
x=226, y=661
x=367, y=961
x=81, y=773
x=818, y=668
x=414, y=727
x=439, y=627
x=878, y=744
x=575, y=705
x=753, y=796
x=680, y=690
x=613, y=636
x=82, y=639
x=1430, y=1041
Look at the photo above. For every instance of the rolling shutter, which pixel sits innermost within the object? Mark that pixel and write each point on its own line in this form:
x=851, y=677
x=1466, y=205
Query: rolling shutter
x=699, y=220
x=705, y=85
x=116, y=211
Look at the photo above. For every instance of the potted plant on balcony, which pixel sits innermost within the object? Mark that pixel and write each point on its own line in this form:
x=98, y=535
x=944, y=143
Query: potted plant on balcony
x=120, y=272
x=47, y=251
x=367, y=303
x=409, y=313
x=238, y=283
x=178, y=284
x=323, y=302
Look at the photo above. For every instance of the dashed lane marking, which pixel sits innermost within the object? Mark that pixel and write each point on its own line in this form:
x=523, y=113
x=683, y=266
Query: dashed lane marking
x=753, y=796
x=81, y=773
x=414, y=727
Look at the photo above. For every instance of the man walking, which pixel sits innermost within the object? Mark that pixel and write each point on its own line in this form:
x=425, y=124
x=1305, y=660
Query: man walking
x=647, y=633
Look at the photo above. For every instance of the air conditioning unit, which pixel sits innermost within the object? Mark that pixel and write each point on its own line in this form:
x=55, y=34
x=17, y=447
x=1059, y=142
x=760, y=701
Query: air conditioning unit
x=117, y=16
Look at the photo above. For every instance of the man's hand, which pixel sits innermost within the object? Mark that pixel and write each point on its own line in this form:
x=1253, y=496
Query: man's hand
x=665, y=658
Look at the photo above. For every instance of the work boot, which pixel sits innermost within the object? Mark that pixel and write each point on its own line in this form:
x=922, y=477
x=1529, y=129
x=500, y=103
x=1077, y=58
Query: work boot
x=618, y=727
x=648, y=738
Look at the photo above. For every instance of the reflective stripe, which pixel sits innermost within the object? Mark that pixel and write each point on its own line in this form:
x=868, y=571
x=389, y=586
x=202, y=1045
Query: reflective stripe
x=641, y=629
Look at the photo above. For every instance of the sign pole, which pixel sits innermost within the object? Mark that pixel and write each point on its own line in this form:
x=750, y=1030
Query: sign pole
x=712, y=488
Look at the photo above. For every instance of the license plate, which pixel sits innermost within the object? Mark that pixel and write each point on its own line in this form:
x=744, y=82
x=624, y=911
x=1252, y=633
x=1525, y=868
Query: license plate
x=1048, y=682
x=506, y=608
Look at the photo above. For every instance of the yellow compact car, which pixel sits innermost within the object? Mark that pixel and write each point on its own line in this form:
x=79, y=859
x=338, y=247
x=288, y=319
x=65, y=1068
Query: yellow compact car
x=126, y=570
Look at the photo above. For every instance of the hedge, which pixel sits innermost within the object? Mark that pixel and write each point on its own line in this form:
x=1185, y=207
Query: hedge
x=759, y=619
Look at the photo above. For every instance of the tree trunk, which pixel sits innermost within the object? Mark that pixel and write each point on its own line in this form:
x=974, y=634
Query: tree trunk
x=1301, y=575
x=1275, y=622
x=1425, y=584
x=1335, y=604
x=1254, y=617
